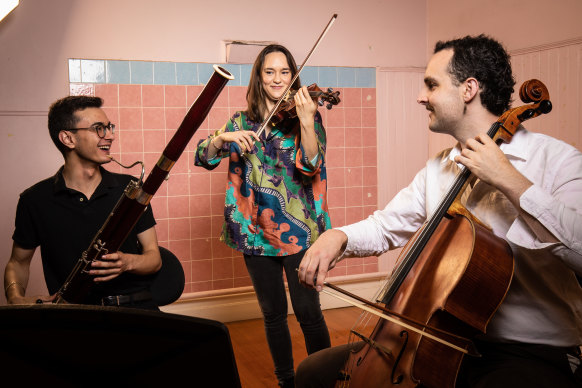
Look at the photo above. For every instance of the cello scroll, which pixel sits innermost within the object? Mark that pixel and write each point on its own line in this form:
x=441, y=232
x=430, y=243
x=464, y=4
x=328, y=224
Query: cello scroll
x=533, y=91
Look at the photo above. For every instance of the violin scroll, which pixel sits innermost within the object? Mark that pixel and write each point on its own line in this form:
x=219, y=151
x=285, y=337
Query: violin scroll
x=331, y=97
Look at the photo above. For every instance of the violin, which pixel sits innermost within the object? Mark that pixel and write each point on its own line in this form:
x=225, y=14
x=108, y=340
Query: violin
x=287, y=109
x=287, y=94
x=428, y=311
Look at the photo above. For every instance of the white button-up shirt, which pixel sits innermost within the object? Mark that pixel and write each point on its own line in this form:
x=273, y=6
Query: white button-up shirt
x=544, y=302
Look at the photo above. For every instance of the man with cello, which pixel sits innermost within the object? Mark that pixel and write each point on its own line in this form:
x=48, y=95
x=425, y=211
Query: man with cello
x=527, y=191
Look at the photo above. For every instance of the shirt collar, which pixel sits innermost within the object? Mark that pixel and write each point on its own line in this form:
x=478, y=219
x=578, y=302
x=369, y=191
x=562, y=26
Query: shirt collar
x=516, y=148
x=107, y=180
x=513, y=150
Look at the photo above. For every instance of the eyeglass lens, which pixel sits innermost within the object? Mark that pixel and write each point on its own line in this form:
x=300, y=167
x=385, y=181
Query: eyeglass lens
x=102, y=129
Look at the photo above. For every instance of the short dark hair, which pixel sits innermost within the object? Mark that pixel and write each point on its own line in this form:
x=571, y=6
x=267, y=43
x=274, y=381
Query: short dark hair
x=61, y=115
x=486, y=60
x=255, y=93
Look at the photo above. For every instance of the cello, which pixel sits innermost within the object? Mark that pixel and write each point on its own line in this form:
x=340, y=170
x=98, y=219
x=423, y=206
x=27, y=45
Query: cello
x=428, y=306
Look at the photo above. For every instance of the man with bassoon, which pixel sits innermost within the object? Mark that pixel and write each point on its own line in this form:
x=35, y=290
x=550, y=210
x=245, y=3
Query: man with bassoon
x=61, y=214
x=528, y=191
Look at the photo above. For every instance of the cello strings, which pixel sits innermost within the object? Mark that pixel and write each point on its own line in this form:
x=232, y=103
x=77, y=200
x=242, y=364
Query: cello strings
x=397, y=322
x=410, y=258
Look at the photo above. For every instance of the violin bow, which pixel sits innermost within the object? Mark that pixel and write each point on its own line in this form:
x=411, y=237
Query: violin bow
x=268, y=119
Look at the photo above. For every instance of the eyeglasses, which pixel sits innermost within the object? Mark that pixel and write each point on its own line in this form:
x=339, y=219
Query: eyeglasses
x=100, y=129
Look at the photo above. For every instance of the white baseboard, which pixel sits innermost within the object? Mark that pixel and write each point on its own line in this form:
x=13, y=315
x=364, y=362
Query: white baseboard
x=241, y=303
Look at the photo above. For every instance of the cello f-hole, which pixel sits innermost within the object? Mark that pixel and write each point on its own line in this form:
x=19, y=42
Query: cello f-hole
x=399, y=379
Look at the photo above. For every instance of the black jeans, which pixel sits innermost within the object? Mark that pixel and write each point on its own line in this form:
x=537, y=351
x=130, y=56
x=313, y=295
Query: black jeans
x=267, y=276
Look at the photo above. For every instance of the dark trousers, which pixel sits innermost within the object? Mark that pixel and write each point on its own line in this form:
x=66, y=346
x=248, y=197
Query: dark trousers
x=321, y=369
x=501, y=366
x=266, y=273
x=517, y=365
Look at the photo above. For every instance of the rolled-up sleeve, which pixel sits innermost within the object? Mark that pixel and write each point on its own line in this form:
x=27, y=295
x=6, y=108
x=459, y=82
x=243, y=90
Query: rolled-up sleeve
x=392, y=226
x=559, y=209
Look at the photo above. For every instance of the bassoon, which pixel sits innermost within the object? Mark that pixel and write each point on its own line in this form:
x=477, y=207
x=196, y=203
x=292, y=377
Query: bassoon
x=137, y=196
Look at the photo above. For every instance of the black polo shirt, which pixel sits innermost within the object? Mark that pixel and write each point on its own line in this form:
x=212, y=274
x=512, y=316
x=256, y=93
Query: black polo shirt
x=63, y=222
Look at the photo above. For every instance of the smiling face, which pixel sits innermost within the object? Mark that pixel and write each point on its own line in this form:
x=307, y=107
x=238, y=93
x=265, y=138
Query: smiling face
x=86, y=144
x=441, y=96
x=275, y=76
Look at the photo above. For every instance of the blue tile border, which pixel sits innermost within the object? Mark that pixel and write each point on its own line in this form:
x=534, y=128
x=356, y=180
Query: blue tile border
x=309, y=75
x=180, y=73
x=141, y=72
x=187, y=73
x=117, y=72
x=164, y=73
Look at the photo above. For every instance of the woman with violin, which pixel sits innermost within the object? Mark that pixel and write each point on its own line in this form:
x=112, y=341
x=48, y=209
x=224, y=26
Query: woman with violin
x=276, y=199
x=527, y=192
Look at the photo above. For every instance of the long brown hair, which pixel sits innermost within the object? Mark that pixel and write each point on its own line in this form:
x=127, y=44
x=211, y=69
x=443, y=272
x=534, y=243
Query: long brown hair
x=256, y=95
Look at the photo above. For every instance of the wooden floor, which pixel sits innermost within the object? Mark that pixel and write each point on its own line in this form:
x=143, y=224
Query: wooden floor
x=254, y=363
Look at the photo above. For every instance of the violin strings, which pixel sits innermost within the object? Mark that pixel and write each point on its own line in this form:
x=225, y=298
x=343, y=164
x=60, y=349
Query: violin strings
x=272, y=113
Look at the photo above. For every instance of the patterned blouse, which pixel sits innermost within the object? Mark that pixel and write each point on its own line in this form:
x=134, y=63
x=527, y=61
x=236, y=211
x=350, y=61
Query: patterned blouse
x=276, y=199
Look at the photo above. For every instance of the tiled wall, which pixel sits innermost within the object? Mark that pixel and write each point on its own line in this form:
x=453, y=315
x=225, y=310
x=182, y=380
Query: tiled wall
x=148, y=100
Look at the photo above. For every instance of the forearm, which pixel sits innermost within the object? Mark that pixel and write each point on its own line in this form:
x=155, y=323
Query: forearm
x=207, y=152
x=214, y=145
x=306, y=112
x=15, y=280
x=309, y=140
x=147, y=263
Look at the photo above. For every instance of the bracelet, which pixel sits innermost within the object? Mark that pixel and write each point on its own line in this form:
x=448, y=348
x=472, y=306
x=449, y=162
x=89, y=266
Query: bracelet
x=11, y=284
x=214, y=145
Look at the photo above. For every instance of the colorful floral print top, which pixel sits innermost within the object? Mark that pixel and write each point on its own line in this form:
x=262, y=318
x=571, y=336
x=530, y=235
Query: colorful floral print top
x=276, y=199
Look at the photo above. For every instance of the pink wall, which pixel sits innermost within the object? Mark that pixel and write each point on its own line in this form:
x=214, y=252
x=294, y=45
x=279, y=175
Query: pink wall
x=518, y=24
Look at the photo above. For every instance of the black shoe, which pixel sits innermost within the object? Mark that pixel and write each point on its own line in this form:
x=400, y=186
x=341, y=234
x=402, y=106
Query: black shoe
x=287, y=383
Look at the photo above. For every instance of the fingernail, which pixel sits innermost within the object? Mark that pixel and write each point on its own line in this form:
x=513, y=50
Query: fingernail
x=318, y=288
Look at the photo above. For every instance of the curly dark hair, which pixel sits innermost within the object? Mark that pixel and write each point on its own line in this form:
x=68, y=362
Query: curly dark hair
x=256, y=106
x=486, y=60
x=61, y=115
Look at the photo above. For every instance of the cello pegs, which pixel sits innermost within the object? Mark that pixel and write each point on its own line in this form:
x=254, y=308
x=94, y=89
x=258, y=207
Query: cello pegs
x=545, y=106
